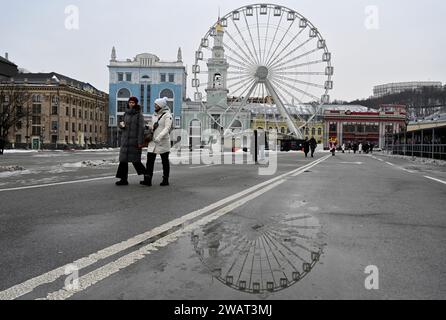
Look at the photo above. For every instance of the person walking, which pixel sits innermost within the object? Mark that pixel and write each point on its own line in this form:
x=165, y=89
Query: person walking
x=161, y=143
x=355, y=147
x=313, y=146
x=306, y=146
x=372, y=146
x=360, y=148
x=343, y=148
x=132, y=139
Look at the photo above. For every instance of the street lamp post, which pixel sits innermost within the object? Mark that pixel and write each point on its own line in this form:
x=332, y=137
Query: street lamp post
x=42, y=137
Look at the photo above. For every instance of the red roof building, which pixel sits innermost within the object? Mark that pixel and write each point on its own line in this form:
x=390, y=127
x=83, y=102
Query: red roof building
x=361, y=127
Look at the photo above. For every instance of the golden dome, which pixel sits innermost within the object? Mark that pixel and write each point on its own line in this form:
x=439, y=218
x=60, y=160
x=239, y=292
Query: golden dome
x=219, y=27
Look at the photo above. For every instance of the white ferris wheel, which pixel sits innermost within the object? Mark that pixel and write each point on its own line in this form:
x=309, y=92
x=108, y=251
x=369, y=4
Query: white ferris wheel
x=260, y=53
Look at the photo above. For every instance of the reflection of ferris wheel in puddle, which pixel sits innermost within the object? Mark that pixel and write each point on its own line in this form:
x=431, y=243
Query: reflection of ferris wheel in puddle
x=260, y=258
x=262, y=52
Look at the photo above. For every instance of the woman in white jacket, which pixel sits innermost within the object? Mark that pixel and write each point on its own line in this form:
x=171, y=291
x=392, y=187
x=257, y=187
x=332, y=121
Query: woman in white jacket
x=161, y=142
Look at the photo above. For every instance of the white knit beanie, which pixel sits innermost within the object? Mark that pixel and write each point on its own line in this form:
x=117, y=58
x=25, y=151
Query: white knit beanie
x=162, y=102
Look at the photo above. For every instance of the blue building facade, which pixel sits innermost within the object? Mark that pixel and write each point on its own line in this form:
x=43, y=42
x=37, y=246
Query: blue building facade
x=147, y=78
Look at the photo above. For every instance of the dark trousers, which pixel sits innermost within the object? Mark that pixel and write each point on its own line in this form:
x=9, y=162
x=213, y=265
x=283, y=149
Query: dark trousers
x=123, y=169
x=151, y=157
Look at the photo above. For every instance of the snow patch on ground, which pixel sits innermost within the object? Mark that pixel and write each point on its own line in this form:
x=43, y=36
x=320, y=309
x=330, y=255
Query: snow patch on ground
x=434, y=162
x=99, y=150
x=7, y=174
x=91, y=164
x=19, y=151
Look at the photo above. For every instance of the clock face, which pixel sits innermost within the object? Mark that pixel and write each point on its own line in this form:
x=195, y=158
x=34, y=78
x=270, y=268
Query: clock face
x=218, y=54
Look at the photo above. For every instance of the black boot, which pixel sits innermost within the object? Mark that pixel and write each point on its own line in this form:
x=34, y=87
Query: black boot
x=147, y=181
x=122, y=182
x=165, y=182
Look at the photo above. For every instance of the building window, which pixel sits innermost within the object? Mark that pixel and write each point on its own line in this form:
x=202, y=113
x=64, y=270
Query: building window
x=18, y=138
x=79, y=127
x=91, y=128
x=313, y=131
x=120, y=76
x=123, y=97
x=66, y=127
x=19, y=125
x=167, y=93
x=54, y=110
x=86, y=115
x=73, y=127
x=91, y=115
x=54, y=125
x=171, y=77
x=36, y=131
x=67, y=111
x=163, y=77
x=128, y=77
x=36, y=120
x=149, y=93
x=74, y=112
x=53, y=139
x=177, y=122
x=37, y=109
x=85, y=128
x=142, y=95
x=37, y=98
x=122, y=106
x=80, y=114
x=319, y=131
x=111, y=122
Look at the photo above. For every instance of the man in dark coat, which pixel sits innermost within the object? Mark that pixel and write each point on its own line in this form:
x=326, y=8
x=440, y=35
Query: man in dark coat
x=132, y=140
x=306, y=146
x=313, y=146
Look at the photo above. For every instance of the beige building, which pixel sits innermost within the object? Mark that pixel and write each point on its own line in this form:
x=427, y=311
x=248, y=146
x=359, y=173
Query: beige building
x=62, y=112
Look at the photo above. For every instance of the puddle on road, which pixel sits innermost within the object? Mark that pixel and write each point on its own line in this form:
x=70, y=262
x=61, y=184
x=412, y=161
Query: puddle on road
x=260, y=257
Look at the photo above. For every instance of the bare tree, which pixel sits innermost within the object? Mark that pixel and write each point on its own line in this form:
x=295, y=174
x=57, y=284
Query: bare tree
x=13, y=99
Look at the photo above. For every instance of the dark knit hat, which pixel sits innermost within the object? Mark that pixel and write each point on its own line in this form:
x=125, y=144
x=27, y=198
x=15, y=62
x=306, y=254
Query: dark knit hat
x=134, y=99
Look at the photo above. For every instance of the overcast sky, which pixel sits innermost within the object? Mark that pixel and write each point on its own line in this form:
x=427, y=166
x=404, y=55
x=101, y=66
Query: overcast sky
x=409, y=44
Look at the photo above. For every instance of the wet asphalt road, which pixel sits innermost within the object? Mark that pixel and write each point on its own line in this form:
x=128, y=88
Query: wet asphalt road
x=341, y=215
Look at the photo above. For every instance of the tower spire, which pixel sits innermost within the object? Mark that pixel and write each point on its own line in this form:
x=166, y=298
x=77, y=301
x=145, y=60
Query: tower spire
x=113, y=54
x=180, y=55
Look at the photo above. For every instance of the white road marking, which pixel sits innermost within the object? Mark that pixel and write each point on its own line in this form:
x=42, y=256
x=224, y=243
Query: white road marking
x=404, y=169
x=390, y=164
x=357, y=163
x=434, y=179
x=64, y=183
x=204, y=166
x=111, y=268
x=51, y=276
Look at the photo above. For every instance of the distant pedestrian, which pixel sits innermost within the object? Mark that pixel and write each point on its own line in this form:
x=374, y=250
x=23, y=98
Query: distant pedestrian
x=132, y=139
x=360, y=148
x=372, y=146
x=161, y=143
x=333, y=144
x=313, y=146
x=306, y=146
x=355, y=147
x=343, y=148
x=365, y=148
x=349, y=147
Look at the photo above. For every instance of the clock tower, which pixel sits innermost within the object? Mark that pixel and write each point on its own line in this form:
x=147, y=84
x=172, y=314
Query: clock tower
x=217, y=92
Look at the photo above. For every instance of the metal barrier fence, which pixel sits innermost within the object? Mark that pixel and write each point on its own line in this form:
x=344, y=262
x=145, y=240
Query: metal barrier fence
x=431, y=151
